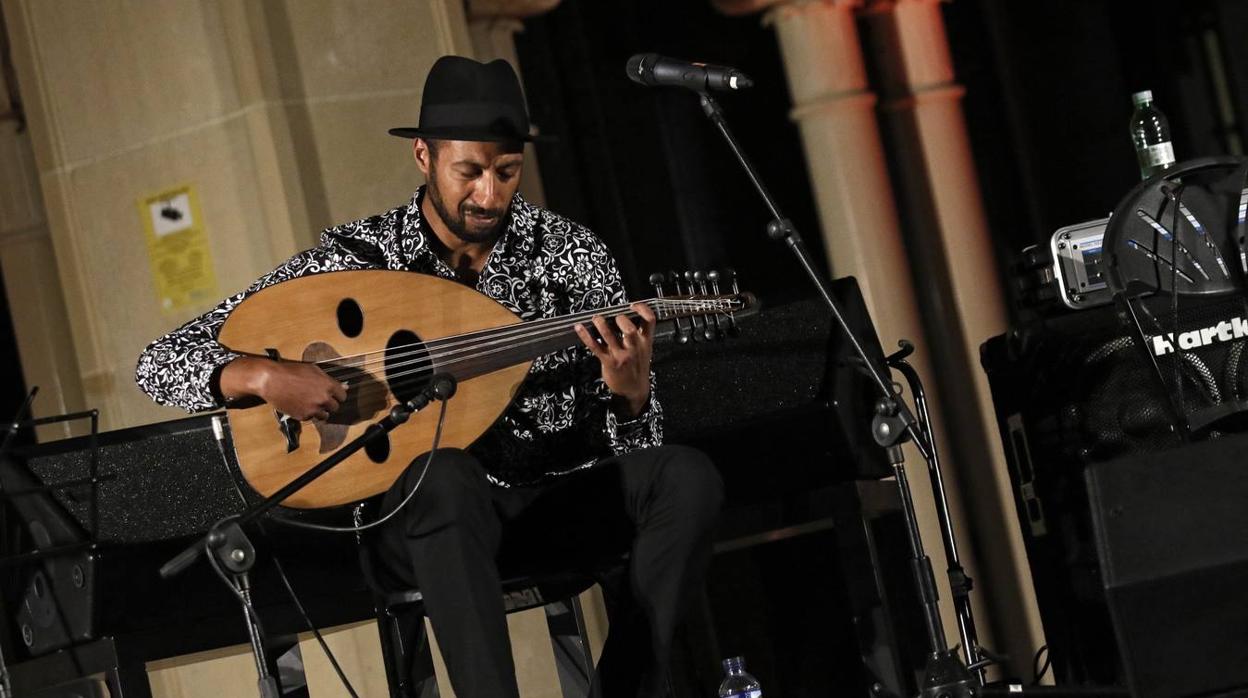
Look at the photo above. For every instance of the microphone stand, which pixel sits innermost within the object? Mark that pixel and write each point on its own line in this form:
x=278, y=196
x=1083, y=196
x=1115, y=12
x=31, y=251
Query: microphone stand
x=233, y=551
x=945, y=674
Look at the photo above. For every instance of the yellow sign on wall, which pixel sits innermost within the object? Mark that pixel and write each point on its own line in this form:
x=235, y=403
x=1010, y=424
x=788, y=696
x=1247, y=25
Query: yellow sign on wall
x=177, y=248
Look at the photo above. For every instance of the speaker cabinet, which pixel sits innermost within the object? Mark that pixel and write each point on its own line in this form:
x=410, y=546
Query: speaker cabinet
x=157, y=482
x=1171, y=530
x=1069, y=391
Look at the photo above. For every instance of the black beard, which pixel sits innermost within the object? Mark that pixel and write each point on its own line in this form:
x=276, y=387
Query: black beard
x=456, y=224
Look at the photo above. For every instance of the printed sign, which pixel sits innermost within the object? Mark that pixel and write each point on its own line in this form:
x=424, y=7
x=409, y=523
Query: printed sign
x=177, y=248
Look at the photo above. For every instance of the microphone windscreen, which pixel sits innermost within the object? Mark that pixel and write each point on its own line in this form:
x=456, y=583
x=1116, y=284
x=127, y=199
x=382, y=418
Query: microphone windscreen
x=639, y=68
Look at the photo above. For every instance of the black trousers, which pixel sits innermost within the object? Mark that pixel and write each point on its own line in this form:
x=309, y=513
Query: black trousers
x=658, y=505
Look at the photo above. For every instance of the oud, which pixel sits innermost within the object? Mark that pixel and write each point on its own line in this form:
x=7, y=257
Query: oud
x=384, y=334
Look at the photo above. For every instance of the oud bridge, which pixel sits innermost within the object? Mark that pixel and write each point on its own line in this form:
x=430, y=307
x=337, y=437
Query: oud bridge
x=402, y=373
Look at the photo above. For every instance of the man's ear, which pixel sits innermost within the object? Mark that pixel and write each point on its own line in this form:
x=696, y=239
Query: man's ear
x=422, y=155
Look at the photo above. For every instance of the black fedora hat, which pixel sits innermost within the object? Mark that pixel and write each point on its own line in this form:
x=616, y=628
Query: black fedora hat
x=465, y=100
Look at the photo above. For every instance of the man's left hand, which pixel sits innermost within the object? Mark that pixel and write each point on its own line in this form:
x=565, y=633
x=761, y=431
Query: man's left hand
x=625, y=358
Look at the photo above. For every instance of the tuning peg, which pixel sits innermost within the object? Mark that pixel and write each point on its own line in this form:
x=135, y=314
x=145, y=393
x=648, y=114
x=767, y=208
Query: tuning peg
x=711, y=329
x=656, y=280
x=712, y=277
x=701, y=326
x=732, y=320
x=683, y=333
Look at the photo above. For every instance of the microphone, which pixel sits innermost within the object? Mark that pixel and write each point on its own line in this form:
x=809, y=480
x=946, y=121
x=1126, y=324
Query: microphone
x=652, y=69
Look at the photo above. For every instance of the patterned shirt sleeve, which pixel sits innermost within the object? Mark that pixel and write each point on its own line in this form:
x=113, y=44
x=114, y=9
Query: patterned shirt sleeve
x=177, y=369
x=597, y=284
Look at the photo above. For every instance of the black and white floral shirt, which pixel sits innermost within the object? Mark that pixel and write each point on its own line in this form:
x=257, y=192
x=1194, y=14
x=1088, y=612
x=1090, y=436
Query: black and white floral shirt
x=542, y=266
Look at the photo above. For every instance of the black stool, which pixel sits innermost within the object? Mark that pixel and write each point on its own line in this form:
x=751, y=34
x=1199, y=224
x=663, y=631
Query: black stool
x=405, y=643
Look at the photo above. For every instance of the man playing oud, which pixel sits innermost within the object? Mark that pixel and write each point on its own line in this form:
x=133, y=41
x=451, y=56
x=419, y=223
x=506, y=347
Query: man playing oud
x=573, y=472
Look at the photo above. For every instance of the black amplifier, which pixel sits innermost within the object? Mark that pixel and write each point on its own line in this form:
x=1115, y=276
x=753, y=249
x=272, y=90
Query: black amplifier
x=1069, y=391
x=1078, y=389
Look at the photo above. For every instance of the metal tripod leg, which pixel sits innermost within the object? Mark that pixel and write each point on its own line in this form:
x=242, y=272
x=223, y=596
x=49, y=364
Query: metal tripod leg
x=266, y=682
x=960, y=584
x=233, y=552
x=944, y=675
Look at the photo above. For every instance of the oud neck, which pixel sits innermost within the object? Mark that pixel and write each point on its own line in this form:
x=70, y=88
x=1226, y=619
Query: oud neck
x=477, y=353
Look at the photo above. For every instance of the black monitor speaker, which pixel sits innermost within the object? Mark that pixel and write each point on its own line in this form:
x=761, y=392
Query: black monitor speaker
x=1171, y=530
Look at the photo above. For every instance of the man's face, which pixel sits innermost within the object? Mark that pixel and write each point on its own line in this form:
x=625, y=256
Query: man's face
x=470, y=184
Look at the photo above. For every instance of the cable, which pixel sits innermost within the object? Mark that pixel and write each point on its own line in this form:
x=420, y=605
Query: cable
x=437, y=439
x=281, y=573
x=1174, y=308
x=1037, y=671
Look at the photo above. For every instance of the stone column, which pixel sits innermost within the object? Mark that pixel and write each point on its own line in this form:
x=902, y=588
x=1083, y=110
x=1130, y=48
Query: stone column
x=835, y=111
x=960, y=291
x=493, y=24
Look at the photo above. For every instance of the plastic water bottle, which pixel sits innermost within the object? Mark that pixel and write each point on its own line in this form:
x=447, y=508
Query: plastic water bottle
x=1150, y=132
x=737, y=683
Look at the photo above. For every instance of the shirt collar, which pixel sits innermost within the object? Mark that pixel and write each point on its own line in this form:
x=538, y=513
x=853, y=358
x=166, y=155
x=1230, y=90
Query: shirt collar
x=516, y=242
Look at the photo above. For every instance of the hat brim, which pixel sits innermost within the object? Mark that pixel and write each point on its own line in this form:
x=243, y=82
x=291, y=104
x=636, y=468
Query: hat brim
x=466, y=134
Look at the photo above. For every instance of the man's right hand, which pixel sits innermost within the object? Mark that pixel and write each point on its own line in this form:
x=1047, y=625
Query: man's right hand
x=300, y=390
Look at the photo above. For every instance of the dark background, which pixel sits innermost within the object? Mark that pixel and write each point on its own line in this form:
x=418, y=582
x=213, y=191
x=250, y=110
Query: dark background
x=643, y=166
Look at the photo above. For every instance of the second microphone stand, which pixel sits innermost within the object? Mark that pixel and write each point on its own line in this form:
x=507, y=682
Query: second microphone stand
x=234, y=553
x=945, y=675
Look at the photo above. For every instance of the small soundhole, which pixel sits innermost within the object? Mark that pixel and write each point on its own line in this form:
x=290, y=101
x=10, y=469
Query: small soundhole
x=350, y=317
x=408, y=366
x=378, y=450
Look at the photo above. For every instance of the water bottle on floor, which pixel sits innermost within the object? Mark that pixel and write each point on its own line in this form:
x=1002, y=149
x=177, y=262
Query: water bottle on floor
x=737, y=683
